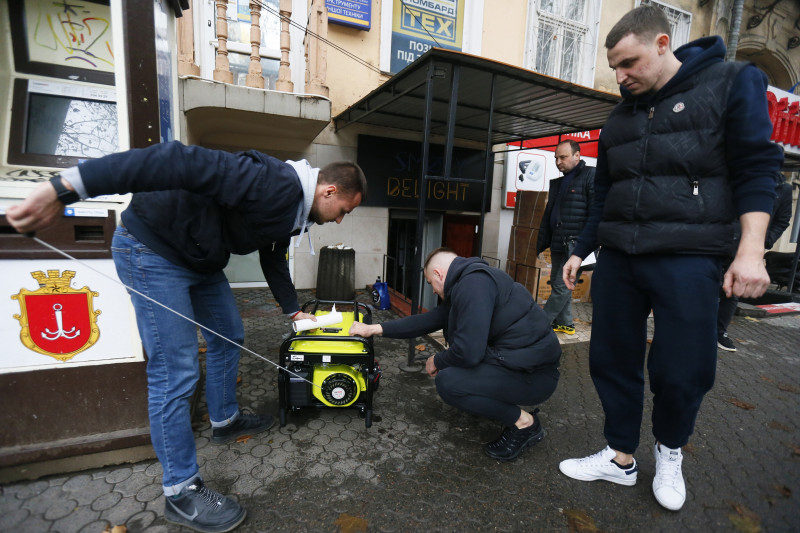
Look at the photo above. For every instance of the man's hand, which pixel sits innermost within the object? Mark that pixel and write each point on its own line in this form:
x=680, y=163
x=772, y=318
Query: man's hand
x=304, y=316
x=747, y=276
x=39, y=210
x=430, y=368
x=570, y=272
x=365, y=330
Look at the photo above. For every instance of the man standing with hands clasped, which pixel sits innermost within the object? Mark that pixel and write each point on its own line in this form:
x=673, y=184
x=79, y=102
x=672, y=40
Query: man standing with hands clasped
x=683, y=155
x=564, y=217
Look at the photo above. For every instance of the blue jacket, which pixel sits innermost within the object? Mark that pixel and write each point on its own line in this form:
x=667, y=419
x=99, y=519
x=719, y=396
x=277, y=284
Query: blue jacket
x=633, y=215
x=195, y=206
x=487, y=318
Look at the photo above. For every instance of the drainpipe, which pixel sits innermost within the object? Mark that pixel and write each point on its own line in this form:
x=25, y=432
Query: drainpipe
x=733, y=34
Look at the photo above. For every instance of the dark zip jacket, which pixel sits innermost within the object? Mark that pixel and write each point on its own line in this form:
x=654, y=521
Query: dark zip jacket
x=573, y=209
x=677, y=167
x=195, y=206
x=487, y=318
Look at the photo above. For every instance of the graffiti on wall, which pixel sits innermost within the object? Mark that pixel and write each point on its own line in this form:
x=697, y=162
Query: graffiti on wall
x=71, y=33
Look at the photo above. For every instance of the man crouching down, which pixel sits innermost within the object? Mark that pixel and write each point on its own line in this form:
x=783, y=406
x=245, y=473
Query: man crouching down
x=502, y=351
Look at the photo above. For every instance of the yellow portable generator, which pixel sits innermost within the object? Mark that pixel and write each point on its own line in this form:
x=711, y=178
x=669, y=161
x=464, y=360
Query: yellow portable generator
x=326, y=367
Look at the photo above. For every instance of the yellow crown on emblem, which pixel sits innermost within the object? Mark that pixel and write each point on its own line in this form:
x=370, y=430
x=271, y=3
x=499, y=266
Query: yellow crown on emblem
x=52, y=280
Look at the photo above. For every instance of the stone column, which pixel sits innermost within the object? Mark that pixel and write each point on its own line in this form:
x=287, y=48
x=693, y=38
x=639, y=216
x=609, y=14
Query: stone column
x=222, y=70
x=317, y=50
x=186, y=64
x=254, y=76
x=284, y=82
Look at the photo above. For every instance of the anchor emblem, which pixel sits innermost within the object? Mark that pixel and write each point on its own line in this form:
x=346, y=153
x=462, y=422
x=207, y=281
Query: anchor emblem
x=53, y=335
x=55, y=302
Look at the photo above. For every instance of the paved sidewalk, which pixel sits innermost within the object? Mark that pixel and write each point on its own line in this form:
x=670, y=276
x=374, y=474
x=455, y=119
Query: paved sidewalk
x=420, y=467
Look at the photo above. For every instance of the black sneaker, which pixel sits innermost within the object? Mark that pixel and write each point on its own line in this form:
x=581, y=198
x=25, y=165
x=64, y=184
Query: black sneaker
x=245, y=424
x=202, y=509
x=513, y=441
x=725, y=343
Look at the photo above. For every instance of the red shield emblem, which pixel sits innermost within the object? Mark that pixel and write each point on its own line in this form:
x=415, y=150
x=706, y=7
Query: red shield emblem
x=59, y=323
x=57, y=320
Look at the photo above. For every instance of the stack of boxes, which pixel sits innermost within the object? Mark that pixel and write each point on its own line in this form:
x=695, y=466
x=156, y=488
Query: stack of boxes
x=523, y=265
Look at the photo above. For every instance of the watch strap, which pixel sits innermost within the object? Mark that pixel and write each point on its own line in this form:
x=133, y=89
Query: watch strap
x=65, y=196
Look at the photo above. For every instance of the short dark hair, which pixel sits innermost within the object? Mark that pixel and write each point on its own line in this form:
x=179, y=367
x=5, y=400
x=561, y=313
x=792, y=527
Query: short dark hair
x=347, y=176
x=572, y=144
x=434, y=253
x=645, y=22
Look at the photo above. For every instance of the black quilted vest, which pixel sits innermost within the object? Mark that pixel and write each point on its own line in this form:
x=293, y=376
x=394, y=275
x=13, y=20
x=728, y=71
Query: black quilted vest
x=669, y=179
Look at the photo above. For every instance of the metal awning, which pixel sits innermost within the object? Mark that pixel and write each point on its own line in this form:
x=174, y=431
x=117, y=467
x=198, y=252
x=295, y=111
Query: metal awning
x=526, y=104
x=459, y=97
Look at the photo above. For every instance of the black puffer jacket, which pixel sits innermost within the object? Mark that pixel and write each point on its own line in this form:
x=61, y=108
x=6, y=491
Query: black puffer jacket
x=573, y=210
x=487, y=318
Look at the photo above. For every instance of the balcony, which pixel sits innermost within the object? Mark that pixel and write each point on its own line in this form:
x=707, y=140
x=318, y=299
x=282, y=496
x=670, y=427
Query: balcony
x=219, y=113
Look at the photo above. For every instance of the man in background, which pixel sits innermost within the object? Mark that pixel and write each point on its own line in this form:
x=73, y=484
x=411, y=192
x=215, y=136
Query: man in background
x=564, y=217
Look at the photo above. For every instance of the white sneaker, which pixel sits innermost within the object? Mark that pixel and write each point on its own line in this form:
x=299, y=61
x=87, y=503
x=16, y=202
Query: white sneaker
x=668, y=486
x=599, y=466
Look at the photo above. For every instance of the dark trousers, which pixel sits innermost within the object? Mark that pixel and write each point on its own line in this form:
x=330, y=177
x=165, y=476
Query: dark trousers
x=727, y=308
x=493, y=391
x=683, y=292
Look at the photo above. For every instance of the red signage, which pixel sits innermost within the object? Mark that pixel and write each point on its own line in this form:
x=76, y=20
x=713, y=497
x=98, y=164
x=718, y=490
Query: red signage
x=587, y=140
x=784, y=113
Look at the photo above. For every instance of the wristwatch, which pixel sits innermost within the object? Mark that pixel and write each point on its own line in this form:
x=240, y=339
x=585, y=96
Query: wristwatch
x=65, y=196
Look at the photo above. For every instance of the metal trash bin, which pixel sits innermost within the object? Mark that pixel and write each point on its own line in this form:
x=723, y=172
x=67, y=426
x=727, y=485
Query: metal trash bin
x=336, y=276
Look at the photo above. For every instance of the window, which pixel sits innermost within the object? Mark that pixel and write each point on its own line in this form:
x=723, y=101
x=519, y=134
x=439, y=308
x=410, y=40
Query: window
x=680, y=21
x=562, y=39
x=61, y=124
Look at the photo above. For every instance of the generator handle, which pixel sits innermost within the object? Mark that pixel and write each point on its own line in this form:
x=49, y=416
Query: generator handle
x=287, y=342
x=355, y=303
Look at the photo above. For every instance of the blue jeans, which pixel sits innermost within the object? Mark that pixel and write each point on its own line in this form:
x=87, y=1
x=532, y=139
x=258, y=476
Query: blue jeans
x=173, y=367
x=558, y=307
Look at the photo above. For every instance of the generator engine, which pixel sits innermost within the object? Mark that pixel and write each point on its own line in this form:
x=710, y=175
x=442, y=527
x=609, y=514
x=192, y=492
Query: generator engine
x=325, y=367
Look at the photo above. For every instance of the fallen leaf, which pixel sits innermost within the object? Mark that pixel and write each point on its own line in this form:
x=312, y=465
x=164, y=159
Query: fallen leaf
x=420, y=347
x=751, y=318
x=688, y=448
x=244, y=438
x=115, y=529
x=745, y=520
x=742, y=405
x=649, y=341
x=580, y=522
x=202, y=349
x=206, y=418
x=784, y=490
x=774, y=424
x=785, y=387
x=768, y=380
x=351, y=524
x=238, y=379
x=795, y=449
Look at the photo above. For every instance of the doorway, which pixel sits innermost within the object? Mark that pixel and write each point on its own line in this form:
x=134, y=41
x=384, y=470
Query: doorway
x=400, y=252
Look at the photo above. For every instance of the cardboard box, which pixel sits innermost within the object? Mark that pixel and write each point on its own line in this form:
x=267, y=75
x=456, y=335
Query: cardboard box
x=522, y=245
x=526, y=275
x=581, y=293
x=529, y=208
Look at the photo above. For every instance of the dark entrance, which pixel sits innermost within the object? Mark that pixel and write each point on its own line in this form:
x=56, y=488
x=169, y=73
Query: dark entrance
x=461, y=234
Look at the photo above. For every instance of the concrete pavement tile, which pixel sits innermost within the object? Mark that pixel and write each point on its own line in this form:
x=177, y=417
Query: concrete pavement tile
x=60, y=508
x=150, y=492
x=39, y=503
x=107, y=501
x=141, y=521
x=134, y=483
x=96, y=526
x=74, y=520
x=85, y=489
x=24, y=491
x=119, y=475
x=123, y=510
x=11, y=518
